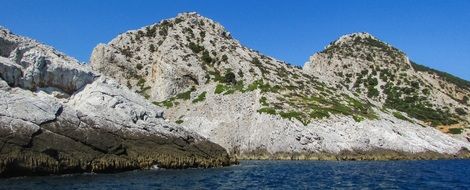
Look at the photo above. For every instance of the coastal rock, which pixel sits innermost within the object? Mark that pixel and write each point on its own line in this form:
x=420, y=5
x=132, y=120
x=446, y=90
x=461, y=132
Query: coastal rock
x=58, y=116
x=258, y=107
x=234, y=122
x=382, y=74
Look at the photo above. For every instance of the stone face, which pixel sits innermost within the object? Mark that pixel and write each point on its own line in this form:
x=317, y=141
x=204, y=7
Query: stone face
x=171, y=56
x=233, y=122
x=166, y=93
x=258, y=107
x=58, y=116
x=384, y=75
x=31, y=65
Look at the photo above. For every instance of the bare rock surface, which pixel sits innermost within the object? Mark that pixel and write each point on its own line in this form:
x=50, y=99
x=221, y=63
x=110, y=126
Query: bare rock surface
x=259, y=107
x=377, y=71
x=59, y=116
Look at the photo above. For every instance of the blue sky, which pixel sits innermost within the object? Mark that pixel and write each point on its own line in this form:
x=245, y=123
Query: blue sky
x=435, y=33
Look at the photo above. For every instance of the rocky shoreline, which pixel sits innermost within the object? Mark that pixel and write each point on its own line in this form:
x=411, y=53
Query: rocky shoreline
x=30, y=163
x=57, y=117
x=183, y=93
x=357, y=155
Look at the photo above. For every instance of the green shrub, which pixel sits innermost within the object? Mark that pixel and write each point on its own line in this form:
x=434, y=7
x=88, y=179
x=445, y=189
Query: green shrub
x=126, y=52
x=229, y=78
x=220, y=88
x=372, y=92
x=202, y=34
x=141, y=82
x=201, y=97
x=319, y=114
x=266, y=110
x=139, y=66
x=426, y=91
x=400, y=116
x=151, y=31
x=167, y=103
x=190, y=31
x=290, y=115
x=178, y=20
x=460, y=111
x=264, y=87
x=179, y=121
x=258, y=64
x=152, y=48
x=206, y=58
x=240, y=73
x=186, y=95
x=163, y=31
x=372, y=81
x=358, y=118
x=263, y=100
x=446, y=76
x=455, y=130
x=224, y=58
x=416, y=106
x=229, y=91
x=195, y=48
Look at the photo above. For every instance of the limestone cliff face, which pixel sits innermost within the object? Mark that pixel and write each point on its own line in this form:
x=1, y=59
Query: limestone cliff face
x=167, y=58
x=58, y=116
x=382, y=74
x=259, y=107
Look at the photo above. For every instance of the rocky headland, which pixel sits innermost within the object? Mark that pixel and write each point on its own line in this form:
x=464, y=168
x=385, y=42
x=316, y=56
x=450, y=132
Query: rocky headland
x=58, y=116
x=184, y=93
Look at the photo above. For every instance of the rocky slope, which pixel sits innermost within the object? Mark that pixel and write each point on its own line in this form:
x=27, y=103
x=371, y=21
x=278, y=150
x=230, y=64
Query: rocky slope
x=259, y=107
x=382, y=74
x=58, y=116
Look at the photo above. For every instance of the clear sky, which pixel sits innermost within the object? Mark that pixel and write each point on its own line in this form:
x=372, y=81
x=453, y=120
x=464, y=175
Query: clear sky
x=435, y=33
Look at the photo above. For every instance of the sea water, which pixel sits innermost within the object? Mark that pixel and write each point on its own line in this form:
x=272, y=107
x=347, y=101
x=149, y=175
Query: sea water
x=441, y=174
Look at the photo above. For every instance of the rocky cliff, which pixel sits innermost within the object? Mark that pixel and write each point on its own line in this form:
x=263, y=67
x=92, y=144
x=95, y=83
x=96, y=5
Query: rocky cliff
x=260, y=107
x=59, y=116
x=382, y=74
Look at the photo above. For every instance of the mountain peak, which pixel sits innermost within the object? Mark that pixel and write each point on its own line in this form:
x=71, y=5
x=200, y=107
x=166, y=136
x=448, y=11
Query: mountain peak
x=189, y=15
x=2, y=28
x=356, y=38
x=356, y=35
x=363, y=45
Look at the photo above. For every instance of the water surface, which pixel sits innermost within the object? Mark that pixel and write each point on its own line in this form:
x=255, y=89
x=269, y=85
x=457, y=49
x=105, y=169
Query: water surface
x=443, y=174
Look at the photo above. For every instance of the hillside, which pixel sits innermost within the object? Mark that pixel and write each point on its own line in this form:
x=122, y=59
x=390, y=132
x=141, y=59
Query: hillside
x=259, y=107
x=58, y=116
x=384, y=75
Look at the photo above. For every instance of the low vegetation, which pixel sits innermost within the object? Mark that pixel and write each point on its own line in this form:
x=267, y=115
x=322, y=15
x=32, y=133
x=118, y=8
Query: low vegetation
x=409, y=101
x=179, y=121
x=445, y=76
x=455, y=131
x=201, y=97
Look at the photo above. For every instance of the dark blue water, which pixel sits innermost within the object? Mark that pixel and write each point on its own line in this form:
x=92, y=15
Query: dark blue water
x=444, y=174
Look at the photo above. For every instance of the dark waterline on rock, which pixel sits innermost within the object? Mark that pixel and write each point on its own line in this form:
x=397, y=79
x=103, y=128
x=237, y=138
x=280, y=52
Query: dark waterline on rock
x=441, y=174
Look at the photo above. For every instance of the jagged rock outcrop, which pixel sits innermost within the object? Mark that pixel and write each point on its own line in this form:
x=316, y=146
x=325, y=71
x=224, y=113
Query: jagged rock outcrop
x=59, y=116
x=257, y=106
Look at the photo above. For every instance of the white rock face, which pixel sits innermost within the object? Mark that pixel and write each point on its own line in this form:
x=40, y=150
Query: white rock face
x=168, y=57
x=354, y=60
x=42, y=70
x=58, y=116
x=233, y=122
x=31, y=65
x=247, y=102
x=115, y=107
